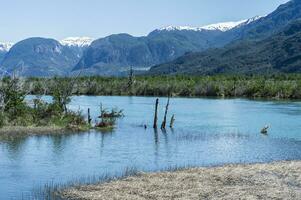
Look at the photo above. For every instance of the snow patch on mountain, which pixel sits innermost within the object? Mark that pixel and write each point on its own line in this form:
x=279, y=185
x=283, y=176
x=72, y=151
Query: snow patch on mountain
x=77, y=41
x=179, y=28
x=224, y=26
x=5, y=46
x=249, y=21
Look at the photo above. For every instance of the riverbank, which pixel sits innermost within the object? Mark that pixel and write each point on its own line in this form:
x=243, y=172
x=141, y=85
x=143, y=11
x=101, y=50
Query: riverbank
x=280, y=180
x=39, y=130
x=275, y=86
x=30, y=130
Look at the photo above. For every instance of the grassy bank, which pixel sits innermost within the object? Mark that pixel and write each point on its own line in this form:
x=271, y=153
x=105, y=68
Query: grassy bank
x=281, y=86
x=30, y=130
x=259, y=181
x=40, y=130
x=37, y=116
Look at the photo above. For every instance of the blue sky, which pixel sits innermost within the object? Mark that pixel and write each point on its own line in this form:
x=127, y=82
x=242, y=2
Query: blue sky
x=20, y=19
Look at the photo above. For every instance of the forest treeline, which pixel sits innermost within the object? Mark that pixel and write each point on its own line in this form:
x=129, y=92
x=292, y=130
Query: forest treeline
x=278, y=86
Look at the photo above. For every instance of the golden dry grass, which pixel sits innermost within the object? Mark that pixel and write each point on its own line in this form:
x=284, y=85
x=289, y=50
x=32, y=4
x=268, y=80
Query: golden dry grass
x=30, y=130
x=259, y=181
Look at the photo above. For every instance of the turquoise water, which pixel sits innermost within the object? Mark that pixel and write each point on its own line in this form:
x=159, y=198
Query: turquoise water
x=207, y=132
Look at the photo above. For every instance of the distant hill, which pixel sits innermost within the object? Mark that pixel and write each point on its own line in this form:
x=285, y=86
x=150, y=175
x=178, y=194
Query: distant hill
x=280, y=52
x=39, y=57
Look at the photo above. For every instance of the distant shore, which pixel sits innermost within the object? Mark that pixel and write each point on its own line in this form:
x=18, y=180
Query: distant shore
x=273, y=87
x=280, y=180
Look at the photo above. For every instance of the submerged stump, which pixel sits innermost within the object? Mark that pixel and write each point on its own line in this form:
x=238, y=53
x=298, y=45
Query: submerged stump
x=155, y=126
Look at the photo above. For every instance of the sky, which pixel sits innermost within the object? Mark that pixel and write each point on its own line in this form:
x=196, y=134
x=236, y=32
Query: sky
x=20, y=19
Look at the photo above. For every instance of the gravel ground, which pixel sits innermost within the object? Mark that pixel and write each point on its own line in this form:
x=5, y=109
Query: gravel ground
x=280, y=180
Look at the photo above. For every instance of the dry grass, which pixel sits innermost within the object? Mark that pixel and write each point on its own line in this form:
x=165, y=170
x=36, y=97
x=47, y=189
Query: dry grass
x=260, y=181
x=30, y=130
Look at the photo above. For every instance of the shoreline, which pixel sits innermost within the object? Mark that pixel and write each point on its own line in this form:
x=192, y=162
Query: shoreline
x=278, y=180
x=188, y=97
x=13, y=131
x=223, y=86
x=31, y=130
x=37, y=130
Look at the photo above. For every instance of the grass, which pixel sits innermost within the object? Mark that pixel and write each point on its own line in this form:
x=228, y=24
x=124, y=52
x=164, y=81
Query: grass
x=41, y=130
x=254, y=181
x=107, y=129
x=53, y=191
x=280, y=180
x=31, y=130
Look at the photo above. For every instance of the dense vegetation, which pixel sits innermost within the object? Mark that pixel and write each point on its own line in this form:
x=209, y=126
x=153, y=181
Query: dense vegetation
x=16, y=111
x=281, y=86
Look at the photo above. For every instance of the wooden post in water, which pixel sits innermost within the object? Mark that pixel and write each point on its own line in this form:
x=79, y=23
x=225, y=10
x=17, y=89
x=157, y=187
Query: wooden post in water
x=172, y=121
x=156, y=114
x=89, y=117
x=163, y=125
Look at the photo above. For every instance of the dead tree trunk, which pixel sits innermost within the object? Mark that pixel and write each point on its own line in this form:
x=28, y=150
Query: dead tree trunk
x=156, y=115
x=89, y=117
x=172, y=121
x=163, y=125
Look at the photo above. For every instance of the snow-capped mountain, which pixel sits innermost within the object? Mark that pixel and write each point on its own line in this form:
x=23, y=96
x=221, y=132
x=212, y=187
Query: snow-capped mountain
x=5, y=46
x=77, y=41
x=40, y=57
x=224, y=26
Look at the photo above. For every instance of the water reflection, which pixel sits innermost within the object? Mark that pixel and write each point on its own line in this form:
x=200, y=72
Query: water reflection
x=14, y=145
x=104, y=136
x=58, y=143
x=156, y=137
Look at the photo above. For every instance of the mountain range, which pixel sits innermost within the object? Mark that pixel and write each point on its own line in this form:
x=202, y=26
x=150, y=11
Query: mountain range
x=116, y=53
x=44, y=57
x=270, y=44
x=280, y=52
x=259, y=44
x=112, y=55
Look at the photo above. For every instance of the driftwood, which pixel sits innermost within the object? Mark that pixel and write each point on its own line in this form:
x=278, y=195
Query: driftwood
x=156, y=114
x=89, y=117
